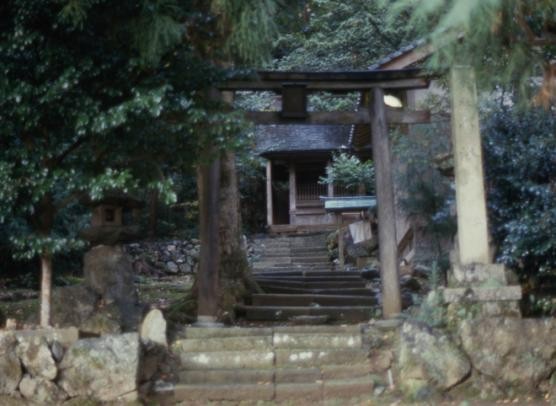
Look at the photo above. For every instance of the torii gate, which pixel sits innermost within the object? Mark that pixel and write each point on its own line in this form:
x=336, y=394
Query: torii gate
x=294, y=88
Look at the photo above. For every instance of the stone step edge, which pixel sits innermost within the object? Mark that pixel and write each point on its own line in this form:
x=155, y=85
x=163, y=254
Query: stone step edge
x=328, y=389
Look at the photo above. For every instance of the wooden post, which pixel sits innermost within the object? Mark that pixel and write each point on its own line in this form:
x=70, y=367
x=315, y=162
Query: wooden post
x=387, y=243
x=209, y=259
x=293, y=192
x=46, y=289
x=468, y=165
x=269, y=205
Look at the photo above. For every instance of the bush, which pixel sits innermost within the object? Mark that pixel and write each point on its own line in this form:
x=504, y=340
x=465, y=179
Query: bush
x=520, y=160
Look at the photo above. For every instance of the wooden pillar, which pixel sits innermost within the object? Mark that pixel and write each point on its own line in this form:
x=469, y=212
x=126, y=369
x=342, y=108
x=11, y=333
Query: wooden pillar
x=388, y=250
x=341, y=258
x=293, y=192
x=468, y=164
x=208, y=185
x=269, y=205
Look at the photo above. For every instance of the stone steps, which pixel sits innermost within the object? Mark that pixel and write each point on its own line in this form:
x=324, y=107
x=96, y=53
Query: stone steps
x=280, y=364
x=278, y=299
x=330, y=291
x=350, y=314
x=311, y=285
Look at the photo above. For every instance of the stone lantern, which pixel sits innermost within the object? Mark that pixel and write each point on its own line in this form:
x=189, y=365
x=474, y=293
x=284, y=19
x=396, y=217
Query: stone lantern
x=114, y=220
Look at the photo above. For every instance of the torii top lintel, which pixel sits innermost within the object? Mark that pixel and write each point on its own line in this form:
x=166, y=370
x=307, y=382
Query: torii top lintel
x=345, y=81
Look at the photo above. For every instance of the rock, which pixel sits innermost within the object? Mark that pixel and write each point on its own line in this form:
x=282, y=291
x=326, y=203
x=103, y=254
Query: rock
x=429, y=357
x=516, y=352
x=108, y=271
x=35, y=355
x=172, y=267
x=104, y=368
x=153, y=328
x=41, y=391
x=106, y=320
x=10, y=367
x=57, y=351
x=72, y=305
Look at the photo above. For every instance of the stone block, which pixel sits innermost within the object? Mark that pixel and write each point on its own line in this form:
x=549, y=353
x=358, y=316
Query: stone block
x=41, y=391
x=103, y=369
x=309, y=358
x=34, y=353
x=299, y=392
x=286, y=340
x=239, y=392
x=297, y=375
x=429, y=355
x=10, y=367
x=255, y=343
x=153, y=328
x=520, y=353
x=348, y=388
x=227, y=360
x=478, y=274
x=479, y=294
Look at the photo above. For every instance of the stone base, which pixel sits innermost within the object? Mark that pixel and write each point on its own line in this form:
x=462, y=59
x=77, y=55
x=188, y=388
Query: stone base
x=464, y=303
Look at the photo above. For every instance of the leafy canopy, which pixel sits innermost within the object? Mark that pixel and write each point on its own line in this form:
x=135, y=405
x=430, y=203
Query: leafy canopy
x=507, y=41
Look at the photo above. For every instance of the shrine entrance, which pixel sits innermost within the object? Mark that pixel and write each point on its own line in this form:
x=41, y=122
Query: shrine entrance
x=294, y=88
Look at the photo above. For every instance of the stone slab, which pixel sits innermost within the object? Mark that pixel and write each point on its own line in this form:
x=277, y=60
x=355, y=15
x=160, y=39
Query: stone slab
x=254, y=343
x=297, y=375
x=310, y=358
x=476, y=274
x=208, y=332
x=504, y=293
x=348, y=388
x=236, y=392
x=225, y=376
x=351, y=371
x=299, y=392
x=227, y=360
x=319, y=340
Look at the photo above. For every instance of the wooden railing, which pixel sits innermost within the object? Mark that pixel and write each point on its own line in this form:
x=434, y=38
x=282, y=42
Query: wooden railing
x=311, y=191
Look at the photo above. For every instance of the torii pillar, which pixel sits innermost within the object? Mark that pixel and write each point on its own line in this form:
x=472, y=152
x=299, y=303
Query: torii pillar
x=473, y=279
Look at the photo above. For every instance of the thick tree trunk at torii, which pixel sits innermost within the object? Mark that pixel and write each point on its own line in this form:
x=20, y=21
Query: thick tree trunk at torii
x=387, y=242
x=233, y=259
x=208, y=181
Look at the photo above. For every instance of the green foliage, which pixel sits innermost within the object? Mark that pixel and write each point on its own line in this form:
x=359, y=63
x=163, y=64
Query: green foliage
x=427, y=195
x=520, y=158
x=349, y=172
x=252, y=189
x=507, y=41
x=96, y=96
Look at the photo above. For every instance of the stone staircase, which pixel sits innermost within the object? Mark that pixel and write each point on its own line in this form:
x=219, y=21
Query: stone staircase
x=280, y=364
x=300, y=283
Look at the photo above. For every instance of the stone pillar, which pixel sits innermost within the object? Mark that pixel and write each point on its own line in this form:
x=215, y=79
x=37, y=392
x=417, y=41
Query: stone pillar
x=269, y=205
x=468, y=163
x=476, y=286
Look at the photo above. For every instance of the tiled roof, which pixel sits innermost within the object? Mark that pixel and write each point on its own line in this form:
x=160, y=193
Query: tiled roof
x=397, y=53
x=280, y=138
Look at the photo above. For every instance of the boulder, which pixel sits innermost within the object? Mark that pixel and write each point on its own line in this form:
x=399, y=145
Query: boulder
x=153, y=328
x=41, y=391
x=10, y=367
x=72, y=305
x=516, y=352
x=108, y=271
x=429, y=359
x=103, y=369
x=34, y=353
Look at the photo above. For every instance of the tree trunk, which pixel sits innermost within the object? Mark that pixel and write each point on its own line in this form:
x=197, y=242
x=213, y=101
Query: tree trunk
x=46, y=289
x=233, y=261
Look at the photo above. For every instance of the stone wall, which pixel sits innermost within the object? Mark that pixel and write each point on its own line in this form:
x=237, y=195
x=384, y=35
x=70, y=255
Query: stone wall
x=53, y=365
x=489, y=358
x=161, y=258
